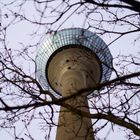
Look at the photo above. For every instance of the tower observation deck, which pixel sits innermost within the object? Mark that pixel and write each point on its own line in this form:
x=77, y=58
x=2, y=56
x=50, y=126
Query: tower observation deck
x=68, y=61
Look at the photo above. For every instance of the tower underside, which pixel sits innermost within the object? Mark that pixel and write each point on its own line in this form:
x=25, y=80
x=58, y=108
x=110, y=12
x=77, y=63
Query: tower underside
x=72, y=69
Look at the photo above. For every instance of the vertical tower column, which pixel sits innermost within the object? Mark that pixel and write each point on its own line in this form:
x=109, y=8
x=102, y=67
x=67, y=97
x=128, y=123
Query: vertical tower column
x=72, y=126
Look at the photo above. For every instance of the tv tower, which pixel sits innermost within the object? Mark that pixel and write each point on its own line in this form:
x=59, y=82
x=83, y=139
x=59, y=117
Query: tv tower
x=67, y=62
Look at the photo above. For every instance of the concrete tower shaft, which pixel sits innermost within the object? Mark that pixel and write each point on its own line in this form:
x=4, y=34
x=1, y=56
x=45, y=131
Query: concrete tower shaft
x=72, y=126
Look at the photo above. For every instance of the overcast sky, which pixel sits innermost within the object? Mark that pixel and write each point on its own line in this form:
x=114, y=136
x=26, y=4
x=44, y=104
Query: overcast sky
x=20, y=33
